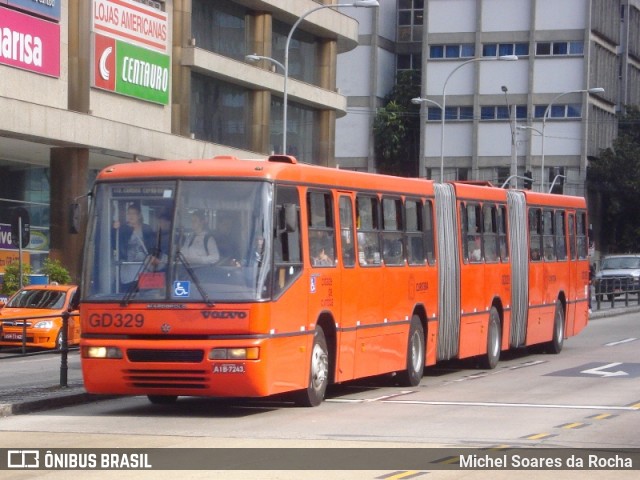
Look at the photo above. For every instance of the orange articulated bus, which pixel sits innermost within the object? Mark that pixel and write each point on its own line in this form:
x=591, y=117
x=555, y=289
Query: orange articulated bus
x=249, y=278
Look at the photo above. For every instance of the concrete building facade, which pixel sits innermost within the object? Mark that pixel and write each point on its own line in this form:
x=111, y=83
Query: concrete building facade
x=85, y=84
x=495, y=124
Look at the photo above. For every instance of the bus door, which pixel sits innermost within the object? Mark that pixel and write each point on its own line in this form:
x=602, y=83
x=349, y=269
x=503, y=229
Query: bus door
x=324, y=281
x=368, y=287
x=472, y=292
x=537, y=284
x=573, y=293
x=348, y=313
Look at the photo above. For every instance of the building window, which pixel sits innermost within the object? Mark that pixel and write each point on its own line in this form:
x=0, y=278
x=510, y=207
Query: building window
x=559, y=48
x=500, y=49
x=501, y=112
x=220, y=111
x=559, y=111
x=301, y=130
x=410, y=20
x=465, y=50
x=219, y=26
x=453, y=113
x=410, y=62
x=302, y=52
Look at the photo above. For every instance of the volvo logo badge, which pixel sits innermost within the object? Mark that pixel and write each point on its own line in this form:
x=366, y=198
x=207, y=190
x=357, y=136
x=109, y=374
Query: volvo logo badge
x=165, y=328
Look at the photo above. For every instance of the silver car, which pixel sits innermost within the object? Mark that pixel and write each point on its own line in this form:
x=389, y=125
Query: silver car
x=618, y=274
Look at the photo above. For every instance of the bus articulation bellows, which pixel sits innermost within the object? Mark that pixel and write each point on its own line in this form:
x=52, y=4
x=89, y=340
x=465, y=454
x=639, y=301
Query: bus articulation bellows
x=249, y=278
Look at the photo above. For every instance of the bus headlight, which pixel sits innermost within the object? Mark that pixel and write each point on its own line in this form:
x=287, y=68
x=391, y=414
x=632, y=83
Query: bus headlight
x=249, y=353
x=101, y=352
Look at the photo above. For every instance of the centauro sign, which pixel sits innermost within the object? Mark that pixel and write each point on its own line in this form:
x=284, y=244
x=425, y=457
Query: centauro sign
x=131, y=70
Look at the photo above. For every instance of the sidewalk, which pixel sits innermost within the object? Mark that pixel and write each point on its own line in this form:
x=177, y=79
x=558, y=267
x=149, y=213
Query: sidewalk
x=17, y=399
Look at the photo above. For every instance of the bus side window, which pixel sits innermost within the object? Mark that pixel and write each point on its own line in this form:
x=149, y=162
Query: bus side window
x=535, y=234
x=581, y=234
x=321, y=232
x=471, y=218
x=572, y=236
x=286, y=241
x=346, y=232
x=490, y=232
x=548, y=237
x=560, y=234
x=502, y=233
x=392, y=225
x=368, y=225
x=429, y=232
x=415, y=232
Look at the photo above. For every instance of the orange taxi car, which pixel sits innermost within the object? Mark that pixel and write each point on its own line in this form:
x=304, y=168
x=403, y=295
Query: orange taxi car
x=38, y=301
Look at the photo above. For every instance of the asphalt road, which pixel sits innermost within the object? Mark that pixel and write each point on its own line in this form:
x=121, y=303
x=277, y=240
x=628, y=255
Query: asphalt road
x=588, y=397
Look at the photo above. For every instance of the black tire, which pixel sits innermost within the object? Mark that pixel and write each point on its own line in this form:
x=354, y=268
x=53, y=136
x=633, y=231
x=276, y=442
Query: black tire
x=415, y=355
x=313, y=395
x=162, y=399
x=58, y=346
x=557, y=342
x=492, y=357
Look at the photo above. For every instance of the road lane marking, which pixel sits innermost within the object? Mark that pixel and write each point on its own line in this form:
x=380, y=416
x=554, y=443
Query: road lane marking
x=573, y=425
x=402, y=475
x=539, y=436
x=516, y=405
x=602, y=416
x=620, y=342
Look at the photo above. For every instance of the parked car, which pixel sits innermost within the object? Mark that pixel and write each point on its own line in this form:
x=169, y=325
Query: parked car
x=38, y=301
x=618, y=274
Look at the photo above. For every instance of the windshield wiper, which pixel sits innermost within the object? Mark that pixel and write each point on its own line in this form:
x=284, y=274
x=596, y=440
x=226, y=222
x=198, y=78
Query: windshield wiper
x=195, y=278
x=134, y=288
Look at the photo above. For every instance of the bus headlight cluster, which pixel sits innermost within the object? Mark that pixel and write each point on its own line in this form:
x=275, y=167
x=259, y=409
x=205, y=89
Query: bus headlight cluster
x=249, y=353
x=101, y=352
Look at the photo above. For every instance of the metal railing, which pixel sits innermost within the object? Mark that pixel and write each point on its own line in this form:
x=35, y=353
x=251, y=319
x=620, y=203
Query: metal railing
x=64, y=340
x=618, y=290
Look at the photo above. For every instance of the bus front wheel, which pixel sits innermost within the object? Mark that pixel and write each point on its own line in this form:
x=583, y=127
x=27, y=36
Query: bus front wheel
x=313, y=395
x=415, y=355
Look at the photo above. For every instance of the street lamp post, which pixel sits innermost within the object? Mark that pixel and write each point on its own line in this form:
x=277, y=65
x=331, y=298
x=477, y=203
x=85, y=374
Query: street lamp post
x=444, y=100
x=512, y=126
x=357, y=3
x=544, y=122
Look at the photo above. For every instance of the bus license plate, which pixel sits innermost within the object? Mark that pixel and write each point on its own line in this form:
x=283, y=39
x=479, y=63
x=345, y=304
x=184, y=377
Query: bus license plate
x=228, y=368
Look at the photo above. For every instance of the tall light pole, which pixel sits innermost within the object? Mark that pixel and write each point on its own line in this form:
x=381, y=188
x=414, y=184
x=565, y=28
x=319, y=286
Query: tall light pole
x=418, y=101
x=544, y=122
x=357, y=3
x=444, y=100
x=512, y=126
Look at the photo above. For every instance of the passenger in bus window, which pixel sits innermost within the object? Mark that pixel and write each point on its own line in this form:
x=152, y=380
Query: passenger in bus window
x=135, y=241
x=200, y=246
x=321, y=249
x=161, y=241
x=475, y=248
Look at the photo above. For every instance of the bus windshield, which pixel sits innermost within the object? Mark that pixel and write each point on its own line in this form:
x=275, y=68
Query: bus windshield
x=201, y=241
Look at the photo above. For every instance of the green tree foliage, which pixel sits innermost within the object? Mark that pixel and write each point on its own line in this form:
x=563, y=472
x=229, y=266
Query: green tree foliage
x=396, y=128
x=56, y=272
x=615, y=178
x=11, y=283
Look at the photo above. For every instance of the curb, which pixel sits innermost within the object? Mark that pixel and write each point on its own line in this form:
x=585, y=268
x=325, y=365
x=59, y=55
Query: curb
x=47, y=402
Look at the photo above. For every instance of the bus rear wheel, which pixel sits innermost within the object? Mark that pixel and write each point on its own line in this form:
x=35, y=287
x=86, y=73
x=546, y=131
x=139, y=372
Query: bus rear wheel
x=313, y=395
x=492, y=357
x=415, y=355
x=556, y=344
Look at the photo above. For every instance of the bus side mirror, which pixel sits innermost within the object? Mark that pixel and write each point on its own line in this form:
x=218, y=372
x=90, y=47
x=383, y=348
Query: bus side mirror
x=74, y=303
x=291, y=217
x=74, y=218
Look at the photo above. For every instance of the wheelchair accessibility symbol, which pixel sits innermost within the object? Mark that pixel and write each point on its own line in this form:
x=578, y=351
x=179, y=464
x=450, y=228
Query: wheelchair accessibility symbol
x=181, y=289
